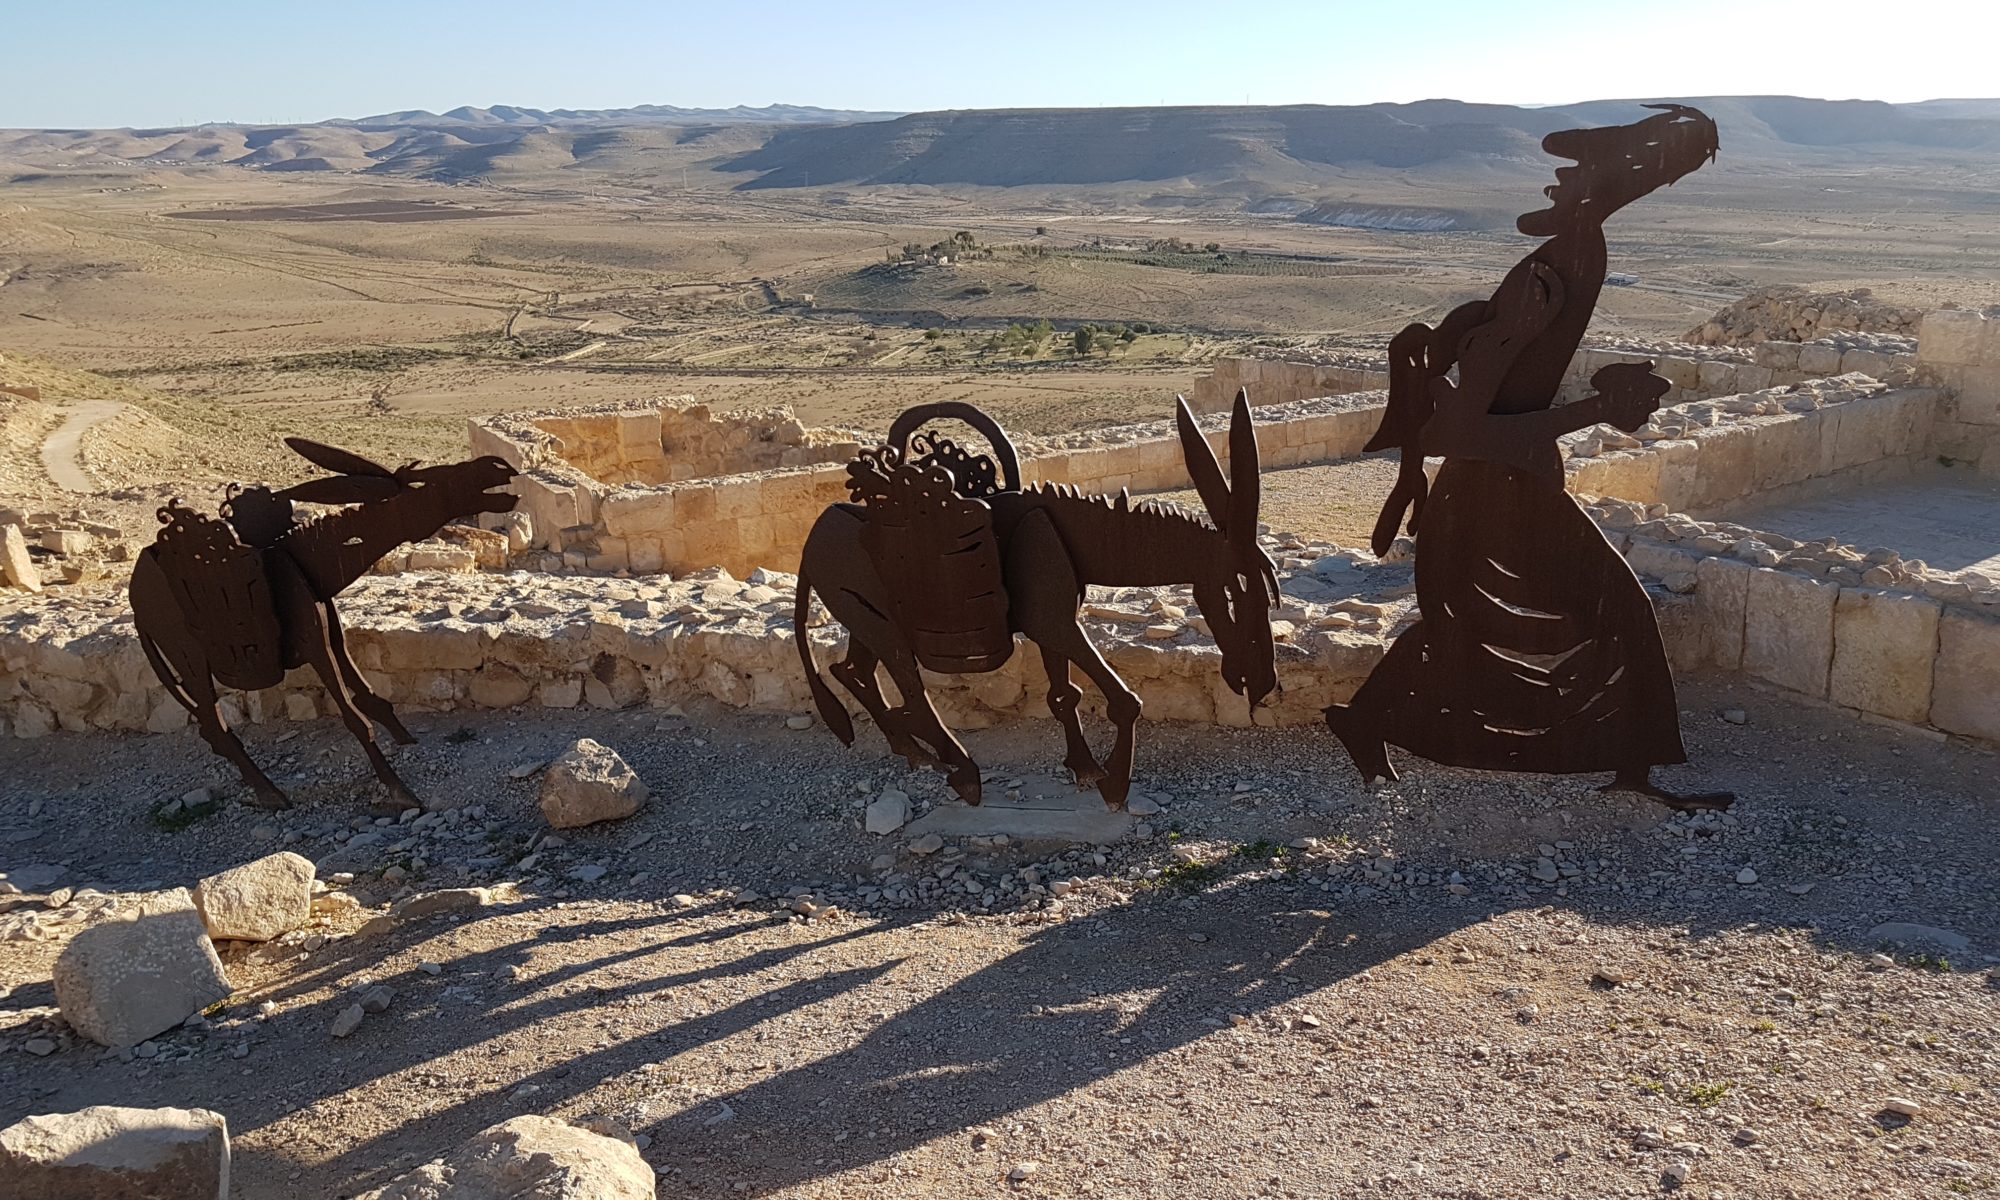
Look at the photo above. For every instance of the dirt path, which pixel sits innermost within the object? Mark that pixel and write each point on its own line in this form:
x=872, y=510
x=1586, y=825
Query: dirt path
x=59, y=452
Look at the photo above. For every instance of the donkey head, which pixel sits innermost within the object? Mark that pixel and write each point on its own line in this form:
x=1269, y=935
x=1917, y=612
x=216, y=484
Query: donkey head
x=1237, y=590
x=427, y=497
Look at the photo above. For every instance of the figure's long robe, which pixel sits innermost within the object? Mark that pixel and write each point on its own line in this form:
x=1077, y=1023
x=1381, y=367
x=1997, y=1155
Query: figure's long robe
x=1537, y=650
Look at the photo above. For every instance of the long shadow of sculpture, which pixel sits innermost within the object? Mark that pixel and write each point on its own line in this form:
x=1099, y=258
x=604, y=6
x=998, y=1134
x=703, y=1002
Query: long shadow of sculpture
x=1538, y=649
x=241, y=600
x=944, y=557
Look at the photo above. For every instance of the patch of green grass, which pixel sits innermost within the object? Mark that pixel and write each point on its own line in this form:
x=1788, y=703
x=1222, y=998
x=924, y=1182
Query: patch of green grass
x=1928, y=962
x=1706, y=1095
x=1651, y=1087
x=1189, y=876
x=1765, y=1026
x=1260, y=850
x=368, y=358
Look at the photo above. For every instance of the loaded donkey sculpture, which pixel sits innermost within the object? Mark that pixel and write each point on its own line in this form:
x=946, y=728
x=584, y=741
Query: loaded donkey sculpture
x=241, y=600
x=943, y=556
x=1538, y=648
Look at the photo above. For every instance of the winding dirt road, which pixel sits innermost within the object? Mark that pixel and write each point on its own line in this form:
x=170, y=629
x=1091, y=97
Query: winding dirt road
x=59, y=452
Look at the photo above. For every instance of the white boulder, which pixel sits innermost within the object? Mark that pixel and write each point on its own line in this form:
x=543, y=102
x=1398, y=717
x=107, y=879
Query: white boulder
x=142, y=972
x=110, y=1153
x=588, y=784
x=258, y=900
x=529, y=1158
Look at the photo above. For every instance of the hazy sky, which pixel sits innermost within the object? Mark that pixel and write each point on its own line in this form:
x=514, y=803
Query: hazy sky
x=160, y=62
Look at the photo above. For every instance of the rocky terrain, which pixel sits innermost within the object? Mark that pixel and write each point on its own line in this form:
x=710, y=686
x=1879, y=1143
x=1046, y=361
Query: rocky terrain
x=1275, y=982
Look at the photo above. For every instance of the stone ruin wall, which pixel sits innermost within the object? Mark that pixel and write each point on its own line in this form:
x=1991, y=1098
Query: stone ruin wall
x=757, y=519
x=1856, y=627
x=1793, y=314
x=1696, y=373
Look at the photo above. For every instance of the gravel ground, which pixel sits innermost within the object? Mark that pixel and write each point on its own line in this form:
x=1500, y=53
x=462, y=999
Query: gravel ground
x=1284, y=985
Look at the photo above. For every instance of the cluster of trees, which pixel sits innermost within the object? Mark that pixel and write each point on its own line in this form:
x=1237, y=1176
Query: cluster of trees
x=959, y=245
x=1087, y=338
x=1174, y=245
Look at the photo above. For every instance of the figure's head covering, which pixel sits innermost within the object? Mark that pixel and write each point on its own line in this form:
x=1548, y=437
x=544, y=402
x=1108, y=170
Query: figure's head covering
x=1617, y=164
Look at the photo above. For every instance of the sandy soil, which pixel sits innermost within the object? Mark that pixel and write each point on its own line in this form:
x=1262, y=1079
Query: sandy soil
x=1302, y=1008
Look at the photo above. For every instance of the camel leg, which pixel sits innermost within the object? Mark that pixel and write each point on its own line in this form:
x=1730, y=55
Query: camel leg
x=856, y=673
x=378, y=710
x=310, y=641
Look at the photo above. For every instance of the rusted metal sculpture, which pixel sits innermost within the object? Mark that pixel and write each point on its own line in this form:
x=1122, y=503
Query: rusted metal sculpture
x=1537, y=649
x=943, y=556
x=241, y=600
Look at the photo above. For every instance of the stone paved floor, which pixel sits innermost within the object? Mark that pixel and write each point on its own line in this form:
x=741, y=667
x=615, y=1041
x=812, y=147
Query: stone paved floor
x=1948, y=518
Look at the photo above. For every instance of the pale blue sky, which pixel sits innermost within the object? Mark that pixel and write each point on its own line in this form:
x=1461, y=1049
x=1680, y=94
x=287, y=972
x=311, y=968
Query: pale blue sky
x=101, y=63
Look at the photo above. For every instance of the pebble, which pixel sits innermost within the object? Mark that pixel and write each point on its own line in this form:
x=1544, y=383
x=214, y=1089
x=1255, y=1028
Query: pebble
x=682, y=900
x=430, y=968
x=1023, y=1171
x=1735, y=716
x=1746, y=876
x=39, y=1047
x=1902, y=1106
x=1611, y=975
x=525, y=770
x=588, y=873
x=799, y=721
x=1678, y=1171
x=1142, y=806
x=348, y=1021
x=930, y=843
x=1881, y=961
x=377, y=999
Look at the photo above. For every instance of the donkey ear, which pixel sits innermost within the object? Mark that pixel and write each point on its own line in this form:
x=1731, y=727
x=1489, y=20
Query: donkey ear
x=1245, y=490
x=1201, y=464
x=333, y=458
x=342, y=489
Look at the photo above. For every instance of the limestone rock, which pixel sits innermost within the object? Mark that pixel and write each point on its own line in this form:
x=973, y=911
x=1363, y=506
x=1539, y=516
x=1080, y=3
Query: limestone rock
x=16, y=567
x=258, y=900
x=529, y=1158
x=590, y=783
x=111, y=1153
x=141, y=973
x=889, y=812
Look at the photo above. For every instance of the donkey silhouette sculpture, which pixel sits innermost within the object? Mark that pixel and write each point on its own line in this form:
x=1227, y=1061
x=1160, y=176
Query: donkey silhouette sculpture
x=943, y=557
x=241, y=600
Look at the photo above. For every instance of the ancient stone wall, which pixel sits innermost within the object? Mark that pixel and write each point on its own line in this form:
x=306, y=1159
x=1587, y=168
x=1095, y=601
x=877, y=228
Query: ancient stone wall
x=1960, y=351
x=1696, y=372
x=1793, y=314
x=760, y=519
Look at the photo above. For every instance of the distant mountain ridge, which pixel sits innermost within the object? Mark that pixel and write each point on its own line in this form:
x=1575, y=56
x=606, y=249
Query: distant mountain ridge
x=509, y=114
x=1430, y=163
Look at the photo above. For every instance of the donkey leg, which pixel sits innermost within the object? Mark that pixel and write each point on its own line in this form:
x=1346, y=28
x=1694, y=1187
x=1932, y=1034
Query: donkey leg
x=1121, y=704
x=378, y=710
x=1064, y=696
x=961, y=772
x=1044, y=590
x=309, y=640
x=856, y=673
x=187, y=681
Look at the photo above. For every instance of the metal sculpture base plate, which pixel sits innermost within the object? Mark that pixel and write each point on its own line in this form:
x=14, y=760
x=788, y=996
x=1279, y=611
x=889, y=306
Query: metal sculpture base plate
x=1064, y=815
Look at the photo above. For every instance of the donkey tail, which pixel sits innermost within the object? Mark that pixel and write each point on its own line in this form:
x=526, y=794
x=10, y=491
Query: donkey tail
x=830, y=709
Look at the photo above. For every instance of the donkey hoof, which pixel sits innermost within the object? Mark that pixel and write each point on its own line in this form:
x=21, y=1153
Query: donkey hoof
x=1088, y=775
x=966, y=784
x=269, y=799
